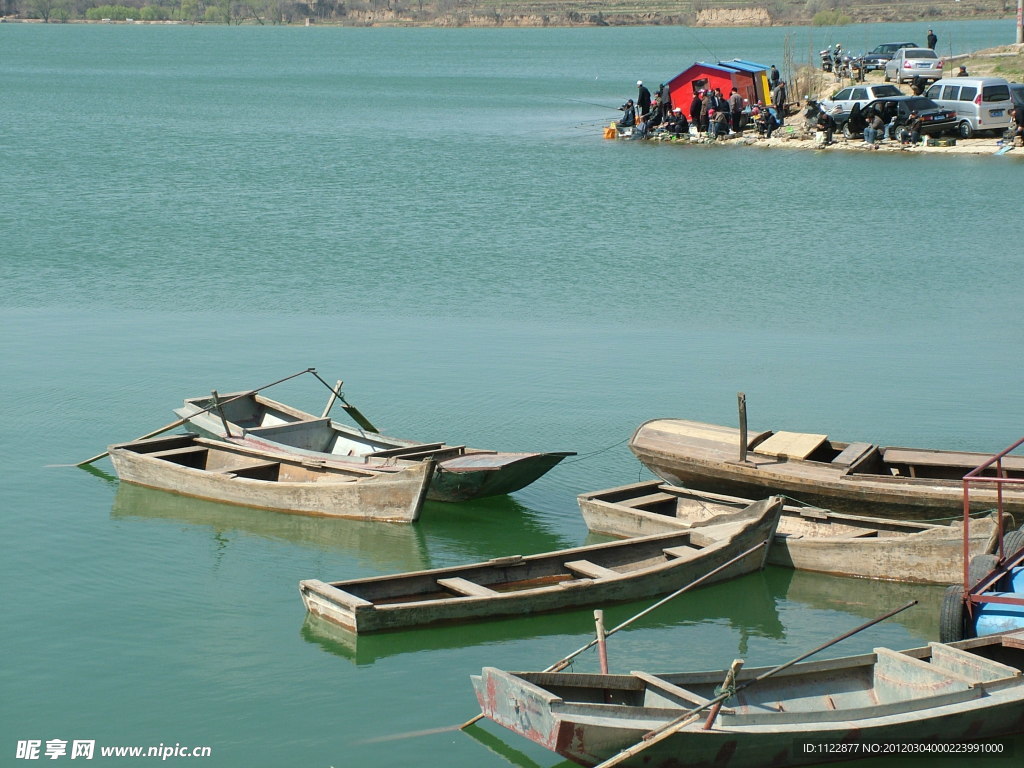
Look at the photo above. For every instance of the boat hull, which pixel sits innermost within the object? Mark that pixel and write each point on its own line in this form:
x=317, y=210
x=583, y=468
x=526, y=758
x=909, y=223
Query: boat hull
x=807, y=539
x=518, y=586
x=945, y=693
x=706, y=457
x=315, y=490
x=460, y=474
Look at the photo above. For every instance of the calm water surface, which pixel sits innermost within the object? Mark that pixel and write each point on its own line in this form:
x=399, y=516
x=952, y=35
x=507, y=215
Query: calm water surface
x=432, y=216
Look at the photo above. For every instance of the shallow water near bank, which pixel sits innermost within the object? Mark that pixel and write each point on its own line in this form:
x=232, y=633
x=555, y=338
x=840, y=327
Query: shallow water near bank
x=432, y=216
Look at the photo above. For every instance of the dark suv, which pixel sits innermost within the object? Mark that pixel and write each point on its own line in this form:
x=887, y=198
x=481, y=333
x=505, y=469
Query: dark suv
x=935, y=120
x=876, y=59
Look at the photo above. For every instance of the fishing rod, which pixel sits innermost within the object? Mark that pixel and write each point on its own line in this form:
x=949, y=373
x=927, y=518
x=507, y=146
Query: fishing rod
x=594, y=104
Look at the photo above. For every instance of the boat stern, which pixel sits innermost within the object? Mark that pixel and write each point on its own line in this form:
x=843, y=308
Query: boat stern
x=518, y=705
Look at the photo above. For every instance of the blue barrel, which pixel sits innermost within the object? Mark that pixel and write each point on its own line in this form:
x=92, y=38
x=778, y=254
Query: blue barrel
x=990, y=618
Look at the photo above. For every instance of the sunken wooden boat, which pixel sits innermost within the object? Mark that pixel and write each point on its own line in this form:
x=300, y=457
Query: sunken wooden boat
x=599, y=574
x=808, y=538
x=955, y=692
x=460, y=473
x=211, y=469
x=857, y=478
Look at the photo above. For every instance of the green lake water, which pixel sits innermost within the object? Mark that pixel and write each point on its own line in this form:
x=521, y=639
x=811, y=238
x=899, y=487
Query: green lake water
x=432, y=216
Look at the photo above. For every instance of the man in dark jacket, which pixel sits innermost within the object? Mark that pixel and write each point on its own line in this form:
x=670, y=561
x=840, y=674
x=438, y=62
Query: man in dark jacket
x=628, y=115
x=779, y=96
x=932, y=40
x=695, y=108
x=826, y=125
x=643, y=99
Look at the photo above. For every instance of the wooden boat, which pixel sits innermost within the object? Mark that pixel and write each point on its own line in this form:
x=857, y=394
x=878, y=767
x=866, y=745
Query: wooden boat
x=233, y=474
x=955, y=692
x=461, y=473
x=807, y=538
x=856, y=478
x=570, y=578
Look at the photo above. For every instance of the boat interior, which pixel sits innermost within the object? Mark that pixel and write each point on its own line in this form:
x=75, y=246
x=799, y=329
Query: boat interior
x=190, y=451
x=699, y=508
x=867, y=459
x=261, y=417
x=883, y=682
x=515, y=573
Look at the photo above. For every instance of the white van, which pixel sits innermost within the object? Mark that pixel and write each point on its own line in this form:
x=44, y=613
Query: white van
x=981, y=103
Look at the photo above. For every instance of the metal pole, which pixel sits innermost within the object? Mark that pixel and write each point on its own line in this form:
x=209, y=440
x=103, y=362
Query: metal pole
x=1020, y=22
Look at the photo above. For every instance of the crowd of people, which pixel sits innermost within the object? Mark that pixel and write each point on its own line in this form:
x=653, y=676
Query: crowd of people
x=710, y=113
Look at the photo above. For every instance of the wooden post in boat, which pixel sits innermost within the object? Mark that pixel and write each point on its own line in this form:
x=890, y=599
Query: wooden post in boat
x=742, y=399
x=331, y=400
x=602, y=647
x=727, y=684
x=220, y=412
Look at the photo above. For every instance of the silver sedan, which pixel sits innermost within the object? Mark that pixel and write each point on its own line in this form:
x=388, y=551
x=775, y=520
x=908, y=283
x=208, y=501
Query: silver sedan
x=908, y=63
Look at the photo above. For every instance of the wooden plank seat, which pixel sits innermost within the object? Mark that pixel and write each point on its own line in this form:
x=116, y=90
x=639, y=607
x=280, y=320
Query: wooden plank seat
x=851, y=453
x=466, y=587
x=651, y=498
x=171, y=453
x=589, y=569
x=445, y=452
x=679, y=551
x=954, y=459
x=791, y=445
x=259, y=470
x=407, y=449
x=653, y=681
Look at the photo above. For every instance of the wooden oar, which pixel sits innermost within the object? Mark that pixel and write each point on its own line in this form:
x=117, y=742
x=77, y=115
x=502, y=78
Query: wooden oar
x=350, y=409
x=179, y=422
x=662, y=732
x=564, y=661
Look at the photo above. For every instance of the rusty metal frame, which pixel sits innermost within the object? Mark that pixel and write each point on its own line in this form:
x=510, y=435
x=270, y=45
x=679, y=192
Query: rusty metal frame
x=974, y=594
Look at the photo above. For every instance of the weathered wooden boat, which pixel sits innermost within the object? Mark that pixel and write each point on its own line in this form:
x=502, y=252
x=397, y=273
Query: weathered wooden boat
x=943, y=693
x=210, y=469
x=856, y=478
x=808, y=538
x=570, y=578
x=460, y=473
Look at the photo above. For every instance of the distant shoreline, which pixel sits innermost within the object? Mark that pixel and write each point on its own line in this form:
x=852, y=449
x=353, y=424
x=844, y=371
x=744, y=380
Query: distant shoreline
x=526, y=21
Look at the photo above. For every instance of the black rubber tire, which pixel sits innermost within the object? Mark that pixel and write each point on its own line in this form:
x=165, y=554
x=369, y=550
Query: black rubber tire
x=886, y=76
x=964, y=130
x=951, y=617
x=846, y=131
x=1013, y=542
x=980, y=567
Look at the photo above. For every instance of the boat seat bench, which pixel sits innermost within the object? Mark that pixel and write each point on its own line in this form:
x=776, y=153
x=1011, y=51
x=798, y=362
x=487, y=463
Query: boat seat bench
x=245, y=470
x=589, y=569
x=849, y=455
x=651, y=498
x=170, y=453
x=678, y=551
x=402, y=451
x=653, y=681
x=466, y=587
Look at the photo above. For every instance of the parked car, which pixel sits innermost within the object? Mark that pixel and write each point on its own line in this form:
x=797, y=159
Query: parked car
x=895, y=112
x=859, y=94
x=876, y=59
x=908, y=62
x=980, y=103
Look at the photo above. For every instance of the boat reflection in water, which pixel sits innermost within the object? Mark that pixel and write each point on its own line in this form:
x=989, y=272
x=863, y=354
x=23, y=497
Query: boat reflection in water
x=745, y=605
x=372, y=545
x=866, y=598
